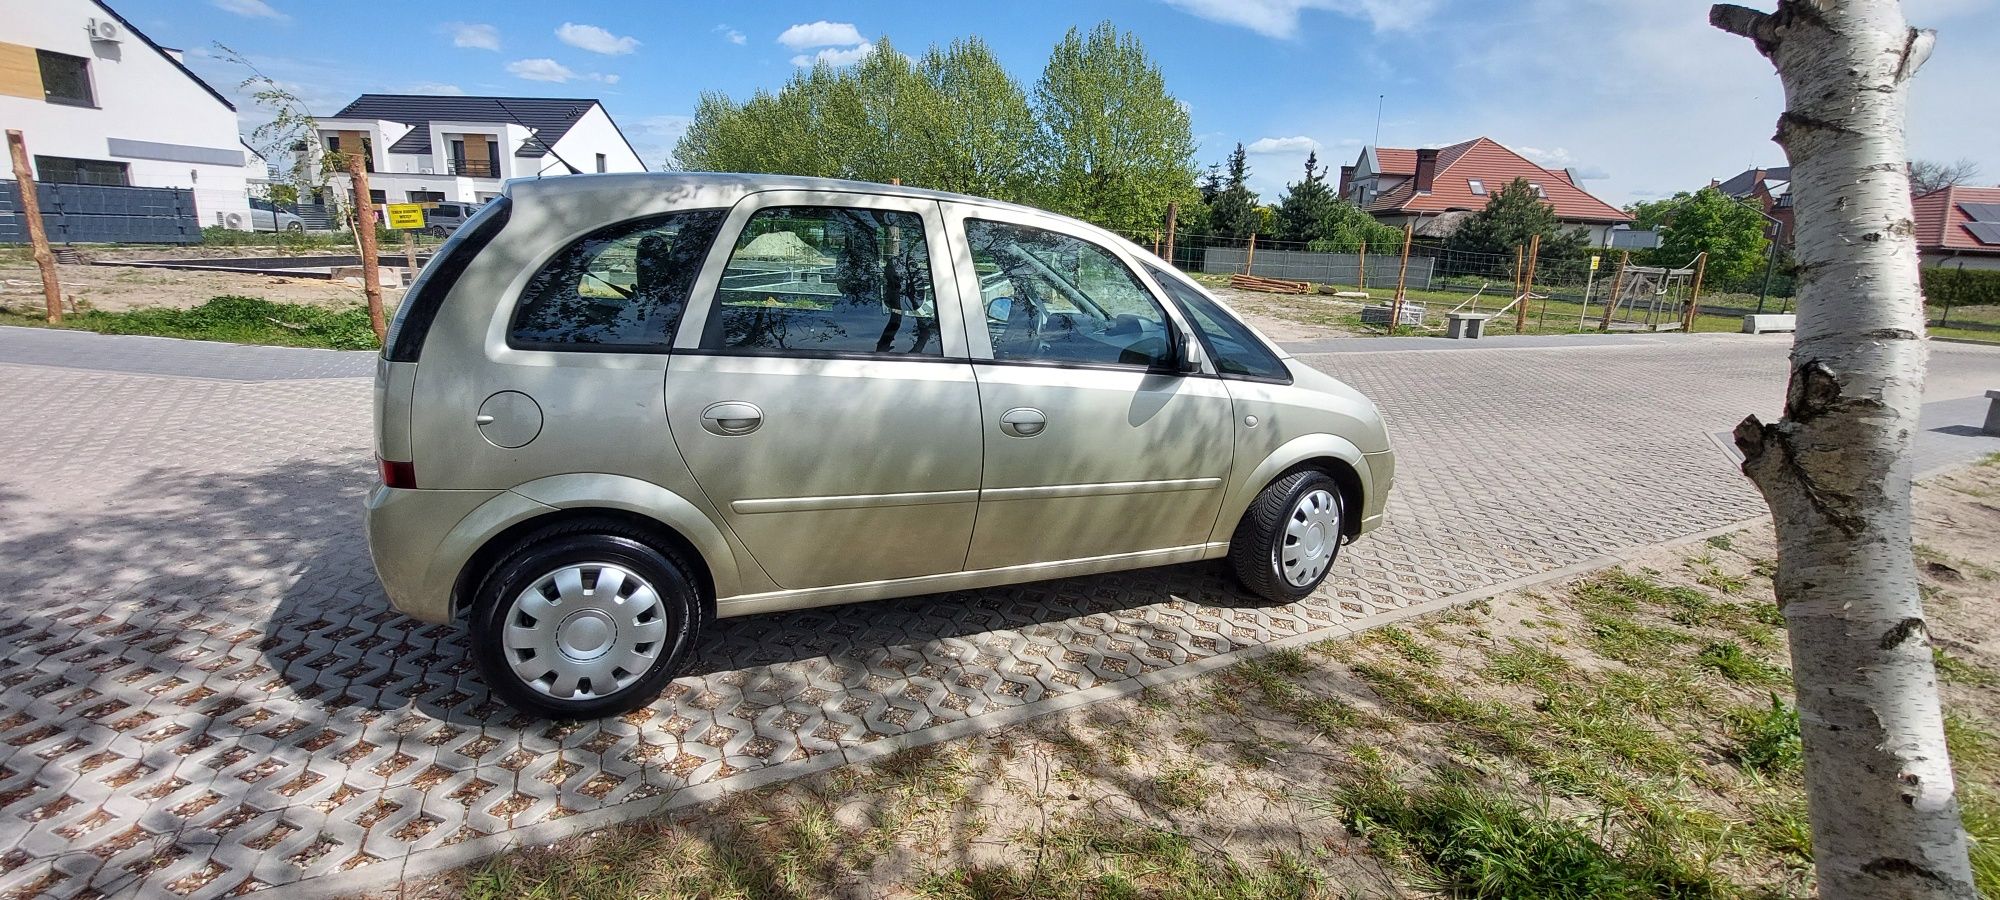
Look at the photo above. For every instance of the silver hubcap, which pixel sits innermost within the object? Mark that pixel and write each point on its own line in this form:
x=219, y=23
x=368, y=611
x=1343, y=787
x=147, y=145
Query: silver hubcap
x=1312, y=534
x=585, y=631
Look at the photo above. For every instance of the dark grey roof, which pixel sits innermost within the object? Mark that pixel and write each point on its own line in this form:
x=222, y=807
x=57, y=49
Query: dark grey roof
x=548, y=119
x=1744, y=183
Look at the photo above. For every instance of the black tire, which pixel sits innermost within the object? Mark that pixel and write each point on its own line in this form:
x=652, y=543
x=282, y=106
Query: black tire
x=1256, y=549
x=585, y=541
x=437, y=231
x=296, y=227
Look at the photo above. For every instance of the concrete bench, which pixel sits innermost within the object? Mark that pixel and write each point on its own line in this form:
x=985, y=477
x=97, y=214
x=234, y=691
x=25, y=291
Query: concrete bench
x=1992, y=425
x=1465, y=325
x=1758, y=323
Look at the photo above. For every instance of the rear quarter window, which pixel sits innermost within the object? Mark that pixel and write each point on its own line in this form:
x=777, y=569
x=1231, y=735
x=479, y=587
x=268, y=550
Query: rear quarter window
x=619, y=288
x=412, y=324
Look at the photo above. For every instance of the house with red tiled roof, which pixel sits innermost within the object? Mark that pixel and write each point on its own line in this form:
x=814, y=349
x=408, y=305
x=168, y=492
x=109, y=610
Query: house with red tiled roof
x=1433, y=188
x=1959, y=227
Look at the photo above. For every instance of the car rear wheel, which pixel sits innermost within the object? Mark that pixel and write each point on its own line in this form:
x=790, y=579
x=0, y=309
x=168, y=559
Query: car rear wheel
x=1289, y=537
x=585, y=620
x=295, y=227
x=436, y=231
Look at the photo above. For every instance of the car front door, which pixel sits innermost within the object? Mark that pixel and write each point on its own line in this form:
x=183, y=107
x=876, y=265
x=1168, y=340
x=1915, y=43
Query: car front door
x=1095, y=443
x=820, y=399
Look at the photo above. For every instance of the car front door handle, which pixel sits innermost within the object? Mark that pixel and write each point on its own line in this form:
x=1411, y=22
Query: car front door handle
x=1023, y=422
x=731, y=418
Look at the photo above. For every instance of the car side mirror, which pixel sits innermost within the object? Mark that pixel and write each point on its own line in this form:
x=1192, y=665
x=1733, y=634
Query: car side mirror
x=1188, y=362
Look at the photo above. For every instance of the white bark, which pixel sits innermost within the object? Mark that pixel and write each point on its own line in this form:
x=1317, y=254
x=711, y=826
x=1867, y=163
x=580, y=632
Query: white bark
x=1836, y=469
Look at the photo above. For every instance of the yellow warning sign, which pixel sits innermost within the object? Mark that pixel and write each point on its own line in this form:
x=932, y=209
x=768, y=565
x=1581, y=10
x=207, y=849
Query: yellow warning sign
x=406, y=215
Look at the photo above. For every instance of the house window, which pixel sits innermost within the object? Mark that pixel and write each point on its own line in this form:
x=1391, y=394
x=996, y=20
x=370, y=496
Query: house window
x=600, y=163
x=65, y=79
x=1537, y=188
x=63, y=170
x=426, y=196
x=1477, y=186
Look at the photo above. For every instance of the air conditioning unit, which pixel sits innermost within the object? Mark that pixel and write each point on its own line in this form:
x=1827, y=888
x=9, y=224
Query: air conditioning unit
x=105, y=30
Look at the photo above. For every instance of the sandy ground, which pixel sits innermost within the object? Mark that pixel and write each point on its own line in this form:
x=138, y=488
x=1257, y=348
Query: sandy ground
x=1291, y=317
x=115, y=288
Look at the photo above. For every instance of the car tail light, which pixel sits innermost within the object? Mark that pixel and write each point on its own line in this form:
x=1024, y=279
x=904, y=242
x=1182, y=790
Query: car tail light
x=398, y=474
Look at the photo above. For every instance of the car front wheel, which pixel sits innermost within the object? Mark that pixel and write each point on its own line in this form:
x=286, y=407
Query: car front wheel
x=585, y=620
x=1289, y=537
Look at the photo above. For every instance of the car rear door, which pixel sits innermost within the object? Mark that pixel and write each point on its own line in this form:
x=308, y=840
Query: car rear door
x=1095, y=444
x=823, y=403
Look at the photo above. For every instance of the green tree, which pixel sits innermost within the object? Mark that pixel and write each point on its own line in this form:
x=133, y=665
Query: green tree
x=1233, y=211
x=1344, y=227
x=1114, y=146
x=1707, y=221
x=1306, y=204
x=985, y=127
x=1512, y=218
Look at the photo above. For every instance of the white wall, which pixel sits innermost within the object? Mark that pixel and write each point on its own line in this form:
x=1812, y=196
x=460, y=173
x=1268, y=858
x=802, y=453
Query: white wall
x=141, y=96
x=594, y=134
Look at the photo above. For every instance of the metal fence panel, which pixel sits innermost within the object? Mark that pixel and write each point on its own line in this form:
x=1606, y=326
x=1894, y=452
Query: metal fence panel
x=1325, y=268
x=103, y=214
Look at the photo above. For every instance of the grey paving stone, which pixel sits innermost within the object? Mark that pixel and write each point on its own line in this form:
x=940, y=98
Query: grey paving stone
x=201, y=659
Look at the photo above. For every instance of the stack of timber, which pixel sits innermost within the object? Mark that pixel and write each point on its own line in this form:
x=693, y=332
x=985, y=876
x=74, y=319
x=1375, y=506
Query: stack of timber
x=1269, y=285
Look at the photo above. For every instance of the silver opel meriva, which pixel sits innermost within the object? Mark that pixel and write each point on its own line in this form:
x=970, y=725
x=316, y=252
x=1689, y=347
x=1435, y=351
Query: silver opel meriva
x=616, y=407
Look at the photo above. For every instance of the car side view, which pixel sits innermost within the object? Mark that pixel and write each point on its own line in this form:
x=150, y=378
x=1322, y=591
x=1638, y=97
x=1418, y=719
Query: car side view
x=617, y=407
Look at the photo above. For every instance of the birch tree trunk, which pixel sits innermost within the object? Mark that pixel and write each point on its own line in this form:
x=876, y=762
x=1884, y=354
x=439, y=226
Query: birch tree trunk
x=1836, y=468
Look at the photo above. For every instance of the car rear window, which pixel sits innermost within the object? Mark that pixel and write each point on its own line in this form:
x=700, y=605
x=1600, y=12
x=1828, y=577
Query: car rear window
x=420, y=304
x=619, y=288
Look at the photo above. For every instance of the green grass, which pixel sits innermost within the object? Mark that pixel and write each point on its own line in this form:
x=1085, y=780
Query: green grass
x=240, y=320
x=1103, y=859
x=1729, y=661
x=1957, y=671
x=1767, y=738
x=1463, y=840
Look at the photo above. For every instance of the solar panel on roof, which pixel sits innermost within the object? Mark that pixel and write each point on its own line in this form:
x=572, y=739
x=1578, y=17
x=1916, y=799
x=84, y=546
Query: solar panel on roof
x=1988, y=233
x=1982, y=212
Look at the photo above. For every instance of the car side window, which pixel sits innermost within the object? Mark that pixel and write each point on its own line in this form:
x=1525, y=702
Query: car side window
x=1235, y=349
x=1054, y=298
x=619, y=288
x=827, y=279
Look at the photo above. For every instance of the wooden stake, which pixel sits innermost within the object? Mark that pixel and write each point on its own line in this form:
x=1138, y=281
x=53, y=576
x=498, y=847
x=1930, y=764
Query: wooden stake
x=1402, y=274
x=410, y=250
x=1250, y=259
x=1617, y=287
x=364, y=231
x=1361, y=267
x=1694, y=298
x=1156, y=243
x=1527, y=285
x=31, y=209
x=1173, y=213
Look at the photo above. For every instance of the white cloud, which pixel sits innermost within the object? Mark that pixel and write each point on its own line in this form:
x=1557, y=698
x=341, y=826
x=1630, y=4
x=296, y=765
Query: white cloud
x=543, y=69
x=473, y=35
x=1280, y=18
x=434, y=88
x=654, y=137
x=835, y=57
x=596, y=40
x=821, y=34
x=255, y=9
x=731, y=35
x=604, y=78
x=1299, y=144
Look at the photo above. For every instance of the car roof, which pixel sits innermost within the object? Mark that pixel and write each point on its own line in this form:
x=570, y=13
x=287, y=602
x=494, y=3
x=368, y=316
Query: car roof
x=725, y=187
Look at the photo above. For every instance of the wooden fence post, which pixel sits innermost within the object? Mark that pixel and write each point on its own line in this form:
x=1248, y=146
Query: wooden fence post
x=1250, y=258
x=1694, y=298
x=1402, y=275
x=38, y=238
x=410, y=250
x=364, y=232
x=1173, y=212
x=1527, y=285
x=1617, y=288
x=1361, y=266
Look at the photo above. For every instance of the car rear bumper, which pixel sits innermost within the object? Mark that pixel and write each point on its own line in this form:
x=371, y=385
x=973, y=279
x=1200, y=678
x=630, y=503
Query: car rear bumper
x=410, y=539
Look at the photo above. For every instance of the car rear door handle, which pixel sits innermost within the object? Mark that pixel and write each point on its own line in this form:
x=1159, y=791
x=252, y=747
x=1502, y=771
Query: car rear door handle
x=731, y=418
x=1023, y=422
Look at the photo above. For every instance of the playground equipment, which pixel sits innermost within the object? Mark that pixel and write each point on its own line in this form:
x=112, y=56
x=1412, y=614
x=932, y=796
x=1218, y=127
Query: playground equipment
x=1654, y=298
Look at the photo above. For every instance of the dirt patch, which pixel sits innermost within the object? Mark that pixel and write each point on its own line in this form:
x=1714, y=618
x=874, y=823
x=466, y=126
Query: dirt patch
x=119, y=288
x=1287, y=318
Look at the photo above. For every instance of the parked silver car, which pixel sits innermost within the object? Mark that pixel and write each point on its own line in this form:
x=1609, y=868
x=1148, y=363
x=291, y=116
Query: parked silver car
x=266, y=216
x=616, y=407
x=441, y=219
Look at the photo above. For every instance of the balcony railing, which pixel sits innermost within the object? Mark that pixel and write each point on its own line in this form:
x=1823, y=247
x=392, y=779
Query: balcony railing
x=474, y=168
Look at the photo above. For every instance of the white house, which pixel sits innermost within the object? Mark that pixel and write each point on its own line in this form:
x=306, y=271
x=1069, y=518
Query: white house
x=99, y=103
x=421, y=148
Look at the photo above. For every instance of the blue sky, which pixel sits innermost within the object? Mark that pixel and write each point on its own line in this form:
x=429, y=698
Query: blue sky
x=1640, y=95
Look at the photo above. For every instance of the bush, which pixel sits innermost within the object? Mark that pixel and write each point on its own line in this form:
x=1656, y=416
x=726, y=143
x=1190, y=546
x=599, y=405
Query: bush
x=1949, y=286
